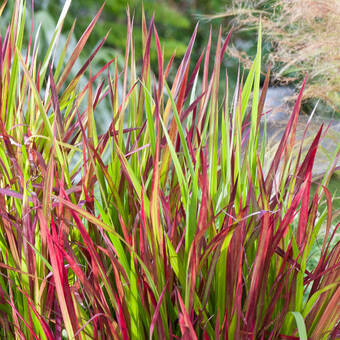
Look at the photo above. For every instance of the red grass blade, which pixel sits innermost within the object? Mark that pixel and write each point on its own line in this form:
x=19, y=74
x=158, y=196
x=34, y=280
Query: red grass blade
x=187, y=329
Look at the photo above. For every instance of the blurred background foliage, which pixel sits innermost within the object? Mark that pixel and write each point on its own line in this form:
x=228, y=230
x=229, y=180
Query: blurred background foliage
x=300, y=36
x=175, y=21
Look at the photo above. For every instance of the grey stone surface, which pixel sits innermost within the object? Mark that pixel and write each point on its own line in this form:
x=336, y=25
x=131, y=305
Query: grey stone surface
x=277, y=105
x=279, y=110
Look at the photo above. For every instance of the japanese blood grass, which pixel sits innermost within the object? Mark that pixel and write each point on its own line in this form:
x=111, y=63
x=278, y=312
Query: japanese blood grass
x=188, y=236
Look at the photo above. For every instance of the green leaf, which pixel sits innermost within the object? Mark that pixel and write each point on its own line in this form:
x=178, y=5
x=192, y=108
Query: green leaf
x=300, y=322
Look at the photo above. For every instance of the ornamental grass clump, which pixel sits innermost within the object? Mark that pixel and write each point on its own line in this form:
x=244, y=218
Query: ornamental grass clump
x=166, y=225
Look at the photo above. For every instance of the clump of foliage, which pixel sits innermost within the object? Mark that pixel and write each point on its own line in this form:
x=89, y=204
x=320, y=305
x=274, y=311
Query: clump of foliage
x=157, y=228
x=304, y=37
